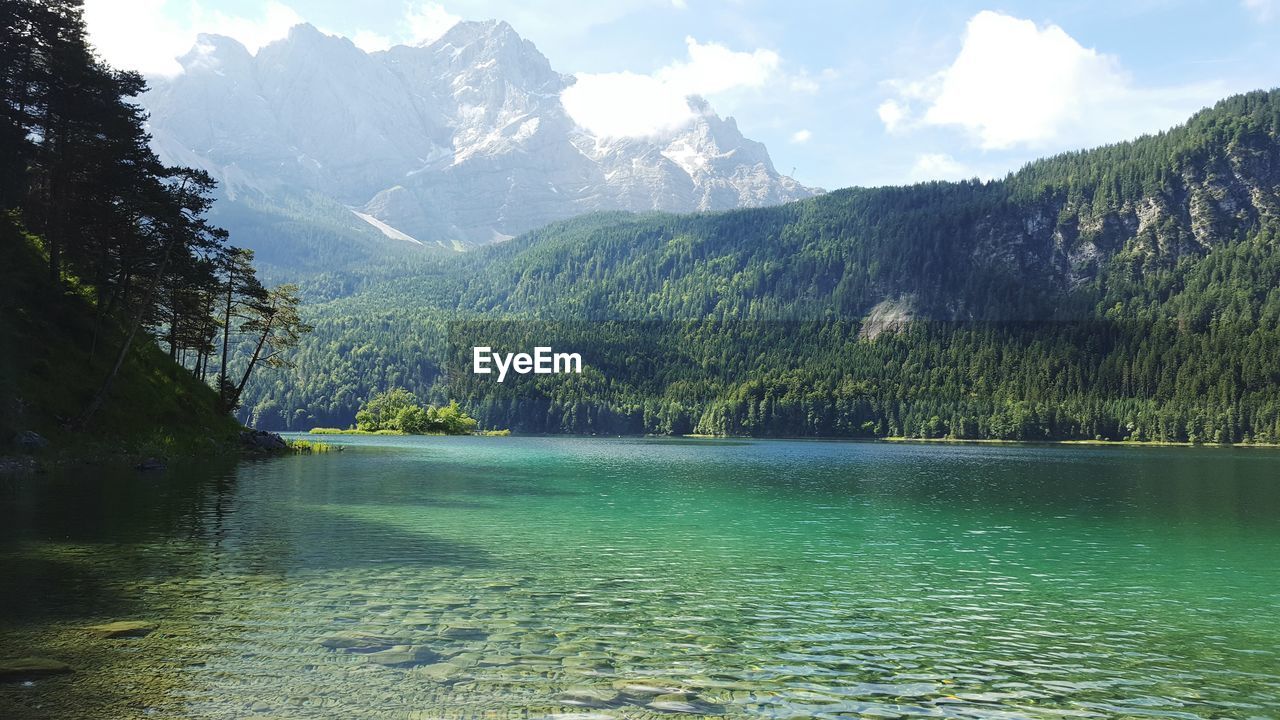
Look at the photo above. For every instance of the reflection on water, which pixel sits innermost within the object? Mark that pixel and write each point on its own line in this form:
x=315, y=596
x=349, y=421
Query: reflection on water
x=434, y=577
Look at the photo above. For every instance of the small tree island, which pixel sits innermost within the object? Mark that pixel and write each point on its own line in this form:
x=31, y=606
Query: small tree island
x=398, y=412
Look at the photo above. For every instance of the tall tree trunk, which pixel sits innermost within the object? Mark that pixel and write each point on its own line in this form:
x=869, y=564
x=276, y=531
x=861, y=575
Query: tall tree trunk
x=226, y=331
x=101, y=395
x=173, y=323
x=244, y=379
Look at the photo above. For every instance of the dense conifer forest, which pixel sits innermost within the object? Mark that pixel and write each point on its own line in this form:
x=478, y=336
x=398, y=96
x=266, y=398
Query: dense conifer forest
x=1130, y=292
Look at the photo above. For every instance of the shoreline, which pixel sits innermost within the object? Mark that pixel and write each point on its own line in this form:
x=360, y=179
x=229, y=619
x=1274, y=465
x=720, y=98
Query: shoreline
x=983, y=441
x=1096, y=443
x=395, y=433
x=892, y=439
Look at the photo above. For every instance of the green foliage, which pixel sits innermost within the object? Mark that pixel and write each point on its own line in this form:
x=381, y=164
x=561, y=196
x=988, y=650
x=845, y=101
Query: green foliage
x=397, y=410
x=450, y=420
x=384, y=410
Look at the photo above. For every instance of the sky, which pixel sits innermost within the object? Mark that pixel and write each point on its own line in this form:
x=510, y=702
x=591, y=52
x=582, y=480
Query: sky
x=842, y=93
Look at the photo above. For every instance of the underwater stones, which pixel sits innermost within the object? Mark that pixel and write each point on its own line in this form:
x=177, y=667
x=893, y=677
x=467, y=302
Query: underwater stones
x=466, y=659
x=463, y=632
x=497, y=660
x=403, y=656
x=440, y=672
x=675, y=706
x=589, y=697
x=122, y=628
x=665, y=703
x=587, y=662
x=359, y=642
x=640, y=688
x=447, y=601
x=31, y=667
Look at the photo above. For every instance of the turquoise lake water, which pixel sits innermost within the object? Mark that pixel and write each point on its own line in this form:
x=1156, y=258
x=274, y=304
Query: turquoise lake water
x=616, y=578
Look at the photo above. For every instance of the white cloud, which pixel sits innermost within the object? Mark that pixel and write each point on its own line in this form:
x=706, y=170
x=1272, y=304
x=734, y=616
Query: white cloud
x=714, y=68
x=803, y=83
x=144, y=35
x=370, y=41
x=428, y=22
x=557, y=23
x=801, y=136
x=937, y=166
x=1263, y=10
x=891, y=114
x=1014, y=84
x=253, y=33
x=136, y=35
x=628, y=104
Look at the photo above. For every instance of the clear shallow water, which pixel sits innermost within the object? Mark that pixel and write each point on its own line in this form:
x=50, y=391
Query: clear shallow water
x=528, y=577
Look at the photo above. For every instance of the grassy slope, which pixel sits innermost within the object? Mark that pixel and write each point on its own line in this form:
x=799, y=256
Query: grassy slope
x=47, y=375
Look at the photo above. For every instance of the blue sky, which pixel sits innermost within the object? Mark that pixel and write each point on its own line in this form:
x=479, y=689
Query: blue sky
x=846, y=93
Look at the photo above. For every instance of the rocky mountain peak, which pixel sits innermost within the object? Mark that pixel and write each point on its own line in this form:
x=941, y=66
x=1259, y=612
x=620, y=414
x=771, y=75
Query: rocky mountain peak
x=492, y=50
x=459, y=142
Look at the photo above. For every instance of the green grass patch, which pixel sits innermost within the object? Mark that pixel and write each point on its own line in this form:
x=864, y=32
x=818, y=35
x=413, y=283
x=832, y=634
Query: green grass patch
x=311, y=447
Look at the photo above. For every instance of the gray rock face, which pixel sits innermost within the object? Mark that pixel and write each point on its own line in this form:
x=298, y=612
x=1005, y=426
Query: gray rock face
x=460, y=142
x=262, y=441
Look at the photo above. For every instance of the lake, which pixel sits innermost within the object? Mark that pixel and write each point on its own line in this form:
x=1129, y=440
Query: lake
x=597, y=578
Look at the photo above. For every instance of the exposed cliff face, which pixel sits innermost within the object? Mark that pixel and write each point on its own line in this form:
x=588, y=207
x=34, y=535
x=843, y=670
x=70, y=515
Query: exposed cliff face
x=1062, y=224
x=1203, y=203
x=461, y=142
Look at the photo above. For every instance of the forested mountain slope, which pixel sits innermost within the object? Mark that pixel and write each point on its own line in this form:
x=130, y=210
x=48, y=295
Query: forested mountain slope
x=1130, y=291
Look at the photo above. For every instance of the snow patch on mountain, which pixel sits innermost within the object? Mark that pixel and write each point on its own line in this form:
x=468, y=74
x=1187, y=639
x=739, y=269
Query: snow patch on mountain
x=385, y=229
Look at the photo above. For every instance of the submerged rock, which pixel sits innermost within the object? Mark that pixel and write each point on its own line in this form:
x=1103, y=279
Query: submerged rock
x=123, y=628
x=639, y=688
x=463, y=632
x=31, y=667
x=358, y=642
x=684, y=706
x=403, y=656
x=590, y=697
x=443, y=672
x=447, y=600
